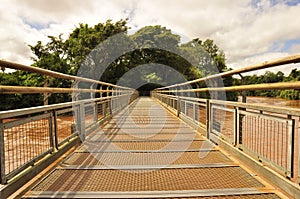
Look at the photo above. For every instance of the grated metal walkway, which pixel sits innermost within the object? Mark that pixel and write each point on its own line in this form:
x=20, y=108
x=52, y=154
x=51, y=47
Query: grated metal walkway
x=146, y=152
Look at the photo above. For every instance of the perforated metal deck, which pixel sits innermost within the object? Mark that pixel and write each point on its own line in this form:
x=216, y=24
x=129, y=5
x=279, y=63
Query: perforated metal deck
x=146, y=152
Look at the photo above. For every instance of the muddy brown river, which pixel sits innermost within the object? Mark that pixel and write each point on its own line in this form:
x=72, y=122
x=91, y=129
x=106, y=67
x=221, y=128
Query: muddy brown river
x=272, y=101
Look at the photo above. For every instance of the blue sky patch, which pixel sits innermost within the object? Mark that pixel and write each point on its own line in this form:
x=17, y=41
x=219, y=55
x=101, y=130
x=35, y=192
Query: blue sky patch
x=284, y=46
x=288, y=44
x=257, y=3
x=293, y=2
x=36, y=25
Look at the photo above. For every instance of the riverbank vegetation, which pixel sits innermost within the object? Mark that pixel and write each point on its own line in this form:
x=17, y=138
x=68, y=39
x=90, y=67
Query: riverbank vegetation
x=271, y=77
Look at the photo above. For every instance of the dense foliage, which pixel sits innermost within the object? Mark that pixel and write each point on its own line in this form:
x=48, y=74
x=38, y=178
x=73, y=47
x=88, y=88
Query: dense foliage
x=270, y=77
x=79, y=54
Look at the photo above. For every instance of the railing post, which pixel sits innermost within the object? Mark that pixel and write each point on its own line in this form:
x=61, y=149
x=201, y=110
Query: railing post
x=178, y=106
x=91, y=93
x=240, y=126
x=95, y=112
x=101, y=93
x=2, y=154
x=117, y=103
x=291, y=144
x=236, y=138
x=244, y=93
x=55, y=130
x=81, y=118
x=120, y=99
x=104, y=109
x=208, y=122
x=123, y=99
x=298, y=137
x=126, y=99
x=194, y=112
x=109, y=100
x=168, y=100
x=174, y=103
x=51, y=134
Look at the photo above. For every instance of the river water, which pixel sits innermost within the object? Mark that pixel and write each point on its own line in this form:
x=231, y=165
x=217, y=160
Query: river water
x=272, y=101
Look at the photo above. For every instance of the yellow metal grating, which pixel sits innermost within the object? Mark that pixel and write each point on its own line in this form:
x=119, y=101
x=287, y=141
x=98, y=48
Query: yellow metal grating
x=147, y=180
x=150, y=153
x=137, y=158
x=145, y=145
x=245, y=196
x=146, y=137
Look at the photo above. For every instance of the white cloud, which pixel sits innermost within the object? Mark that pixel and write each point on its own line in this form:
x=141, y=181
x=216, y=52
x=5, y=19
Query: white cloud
x=257, y=59
x=263, y=30
x=246, y=32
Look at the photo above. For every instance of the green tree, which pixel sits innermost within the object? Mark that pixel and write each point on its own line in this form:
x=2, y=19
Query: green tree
x=51, y=56
x=85, y=49
x=84, y=39
x=69, y=55
x=214, y=61
x=14, y=101
x=270, y=77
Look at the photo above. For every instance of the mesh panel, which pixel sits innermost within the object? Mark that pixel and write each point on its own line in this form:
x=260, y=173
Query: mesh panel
x=147, y=180
x=246, y=196
x=146, y=137
x=87, y=159
x=65, y=125
x=25, y=141
x=134, y=145
x=266, y=137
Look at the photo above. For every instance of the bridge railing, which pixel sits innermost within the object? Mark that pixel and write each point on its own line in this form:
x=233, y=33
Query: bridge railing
x=265, y=133
x=29, y=135
x=33, y=138
x=268, y=134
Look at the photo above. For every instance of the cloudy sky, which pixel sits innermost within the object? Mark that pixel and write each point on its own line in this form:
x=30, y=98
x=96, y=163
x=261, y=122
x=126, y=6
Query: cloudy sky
x=249, y=31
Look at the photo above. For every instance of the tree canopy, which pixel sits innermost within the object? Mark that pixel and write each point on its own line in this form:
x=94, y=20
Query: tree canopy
x=152, y=47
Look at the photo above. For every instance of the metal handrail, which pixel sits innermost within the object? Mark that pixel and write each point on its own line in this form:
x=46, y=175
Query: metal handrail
x=50, y=73
x=268, y=86
x=32, y=110
x=241, y=117
x=277, y=62
x=237, y=110
x=86, y=116
x=11, y=120
x=32, y=90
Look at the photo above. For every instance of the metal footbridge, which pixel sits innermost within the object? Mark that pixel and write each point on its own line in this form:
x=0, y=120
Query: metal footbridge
x=168, y=145
x=151, y=155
